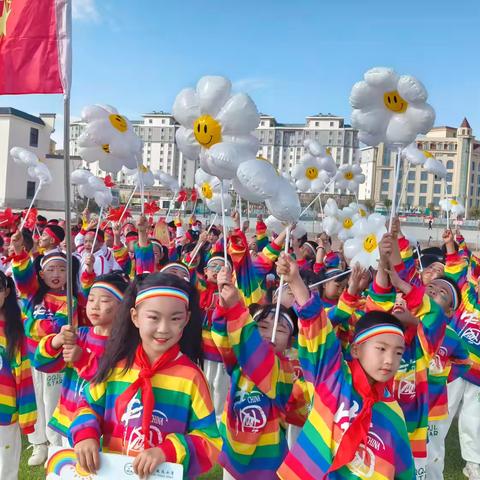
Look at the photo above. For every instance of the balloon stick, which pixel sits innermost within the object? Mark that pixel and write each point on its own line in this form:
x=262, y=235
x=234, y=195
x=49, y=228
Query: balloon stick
x=280, y=289
x=128, y=203
x=315, y=199
x=404, y=186
x=316, y=284
x=170, y=206
x=99, y=221
x=224, y=227
x=199, y=244
x=31, y=204
x=397, y=177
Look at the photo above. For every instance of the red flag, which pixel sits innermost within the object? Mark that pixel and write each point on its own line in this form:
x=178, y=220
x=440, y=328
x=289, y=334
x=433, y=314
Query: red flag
x=34, y=46
x=108, y=181
x=31, y=220
x=8, y=219
x=151, y=208
x=182, y=196
x=194, y=195
x=114, y=214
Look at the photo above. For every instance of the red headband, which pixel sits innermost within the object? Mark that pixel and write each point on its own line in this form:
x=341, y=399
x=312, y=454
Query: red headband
x=51, y=233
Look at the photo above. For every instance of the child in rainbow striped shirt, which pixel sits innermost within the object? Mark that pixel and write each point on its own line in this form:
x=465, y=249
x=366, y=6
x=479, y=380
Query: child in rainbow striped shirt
x=355, y=428
x=148, y=399
x=17, y=397
x=77, y=353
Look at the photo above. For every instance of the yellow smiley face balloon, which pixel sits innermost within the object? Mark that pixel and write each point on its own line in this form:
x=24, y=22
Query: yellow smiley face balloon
x=348, y=175
x=207, y=191
x=394, y=102
x=207, y=131
x=347, y=223
x=106, y=148
x=370, y=243
x=118, y=122
x=311, y=173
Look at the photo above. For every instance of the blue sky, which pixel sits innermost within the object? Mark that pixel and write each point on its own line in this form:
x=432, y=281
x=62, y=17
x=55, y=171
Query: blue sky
x=294, y=57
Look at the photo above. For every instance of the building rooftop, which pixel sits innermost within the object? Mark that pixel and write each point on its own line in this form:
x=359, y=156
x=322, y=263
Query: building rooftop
x=160, y=113
x=465, y=123
x=20, y=114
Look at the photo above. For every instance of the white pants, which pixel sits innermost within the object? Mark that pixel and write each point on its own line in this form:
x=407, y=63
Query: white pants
x=219, y=383
x=464, y=398
x=437, y=433
x=421, y=469
x=47, y=393
x=10, y=449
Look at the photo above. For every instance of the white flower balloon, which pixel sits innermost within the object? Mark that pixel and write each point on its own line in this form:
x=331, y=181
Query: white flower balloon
x=346, y=219
x=363, y=247
x=41, y=173
x=390, y=108
x=143, y=176
x=22, y=156
x=216, y=126
x=259, y=176
x=451, y=205
x=309, y=175
x=360, y=211
x=435, y=167
x=108, y=138
x=349, y=177
x=167, y=180
x=331, y=208
x=414, y=155
x=210, y=190
x=285, y=205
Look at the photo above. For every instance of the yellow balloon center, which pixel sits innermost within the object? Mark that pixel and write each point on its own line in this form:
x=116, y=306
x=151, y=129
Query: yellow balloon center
x=362, y=212
x=118, y=122
x=348, y=175
x=453, y=202
x=328, y=151
x=427, y=154
x=394, y=102
x=106, y=148
x=207, y=131
x=207, y=191
x=347, y=223
x=311, y=173
x=143, y=169
x=370, y=243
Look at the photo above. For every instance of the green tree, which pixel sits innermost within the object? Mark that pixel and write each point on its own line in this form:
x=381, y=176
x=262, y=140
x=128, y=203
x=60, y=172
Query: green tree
x=387, y=202
x=474, y=213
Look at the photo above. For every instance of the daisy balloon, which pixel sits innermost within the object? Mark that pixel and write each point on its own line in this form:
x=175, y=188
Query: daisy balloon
x=346, y=220
x=435, y=167
x=414, y=155
x=331, y=223
x=349, y=177
x=363, y=247
x=309, y=175
x=258, y=178
x=108, y=138
x=167, y=180
x=451, y=205
x=22, y=156
x=210, y=191
x=216, y=126
x=360, y=210
x=390, y=108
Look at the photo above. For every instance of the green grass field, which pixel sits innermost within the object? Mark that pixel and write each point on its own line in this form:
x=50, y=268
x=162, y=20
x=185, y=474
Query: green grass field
x=453, y=469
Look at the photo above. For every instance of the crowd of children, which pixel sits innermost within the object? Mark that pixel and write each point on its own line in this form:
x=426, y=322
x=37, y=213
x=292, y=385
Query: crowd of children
x=168, y=356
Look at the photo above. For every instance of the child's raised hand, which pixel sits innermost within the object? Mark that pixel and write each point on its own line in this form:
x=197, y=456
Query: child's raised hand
x=385, y=248
x=116, y=228
x=288, y=267
x=203, y=237
x=87, y=455
x=69, y=335
x=229, y=295
x=89, y=263
x=142, y=223
x=447, y=237
x=71, y=353
x=17, y=241
x=146, y=462
x=355, y=279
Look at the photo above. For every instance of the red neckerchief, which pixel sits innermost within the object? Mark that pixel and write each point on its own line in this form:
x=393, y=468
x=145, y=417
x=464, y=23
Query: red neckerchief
x=207, y=297
x=358, y=430
x=144, y=383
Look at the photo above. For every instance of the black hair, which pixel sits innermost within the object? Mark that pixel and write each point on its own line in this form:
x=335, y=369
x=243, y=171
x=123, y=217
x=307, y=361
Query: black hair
x=27, y=239
x=262, y=312
x=43, y=288
x=14, y=331
x=376, y=317
x=122, y=344
x=324, y=275
x=2, y=241
x=118, y=278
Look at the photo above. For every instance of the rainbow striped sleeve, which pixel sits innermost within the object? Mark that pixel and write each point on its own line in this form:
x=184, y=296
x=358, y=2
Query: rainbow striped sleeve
x=379, y=299
x=318, y=347
x=474, y=269
x=24, y=275
x=144, y=259
x=431, y=328
x=197, y=449
x=463, y=249
x=26, y=405
x=46, y=358
x=298, y=406
x=265, y=260
x=86, y=282
x=88, y=421
x=120, y=252
x=261, y=235
x=406, y=252
x=456, y=268
x=255, y=356
x=220, y=338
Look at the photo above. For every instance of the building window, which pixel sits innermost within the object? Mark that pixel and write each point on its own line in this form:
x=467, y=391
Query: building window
x=317, y=124
x=422, y=201
x=437, y=188
x=410, y=201
x=150, y=120
x=411, y=175
x=34, y=137
x=433, y=146
x=450, y=165
x=385, y=187
x=424, y=176
x=411, y=188
x=449, y=177
x=331, y=124
x=385, y=175
x=30, y=190
x=423, y=188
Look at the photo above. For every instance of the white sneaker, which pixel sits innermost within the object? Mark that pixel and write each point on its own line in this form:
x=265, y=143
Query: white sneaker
x=472, y=471
x=39, y=455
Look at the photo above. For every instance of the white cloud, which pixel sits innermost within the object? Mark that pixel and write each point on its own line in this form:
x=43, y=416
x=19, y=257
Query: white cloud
x=85, y=10
x=251, y=84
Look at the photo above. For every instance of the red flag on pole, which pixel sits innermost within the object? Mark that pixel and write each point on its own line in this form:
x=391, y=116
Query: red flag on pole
x=34, y=47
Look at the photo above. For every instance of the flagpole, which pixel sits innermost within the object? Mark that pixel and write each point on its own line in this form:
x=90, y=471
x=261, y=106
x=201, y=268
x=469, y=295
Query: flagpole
x=66, y=152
